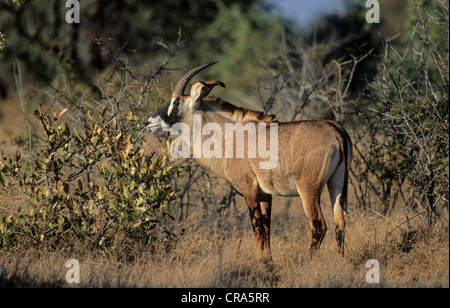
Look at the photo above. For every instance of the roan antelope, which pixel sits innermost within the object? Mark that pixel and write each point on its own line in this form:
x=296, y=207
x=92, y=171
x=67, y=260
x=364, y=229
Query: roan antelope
x=310, y=155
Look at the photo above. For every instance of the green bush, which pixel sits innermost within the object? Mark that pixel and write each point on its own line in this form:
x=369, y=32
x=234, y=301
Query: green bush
x=95, y=188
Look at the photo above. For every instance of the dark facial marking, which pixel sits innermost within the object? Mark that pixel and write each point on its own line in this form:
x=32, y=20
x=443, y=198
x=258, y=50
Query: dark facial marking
x=172, y=119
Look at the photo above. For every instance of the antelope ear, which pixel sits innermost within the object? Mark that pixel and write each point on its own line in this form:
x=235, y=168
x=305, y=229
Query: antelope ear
x=201, y=89
x=212, y=83
x=197, y=93
x=209, y=85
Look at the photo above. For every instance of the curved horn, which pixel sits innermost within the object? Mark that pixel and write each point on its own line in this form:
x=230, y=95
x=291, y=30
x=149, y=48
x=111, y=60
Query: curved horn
x=182, y=84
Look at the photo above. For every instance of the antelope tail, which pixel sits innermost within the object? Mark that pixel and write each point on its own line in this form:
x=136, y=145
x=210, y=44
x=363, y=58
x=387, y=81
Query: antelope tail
x=346, y=149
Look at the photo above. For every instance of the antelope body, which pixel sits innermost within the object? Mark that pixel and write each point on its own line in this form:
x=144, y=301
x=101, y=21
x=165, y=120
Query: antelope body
x=311, y=154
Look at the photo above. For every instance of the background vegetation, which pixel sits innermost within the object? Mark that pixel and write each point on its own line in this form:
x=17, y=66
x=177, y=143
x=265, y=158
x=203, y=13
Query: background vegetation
x=78, y=175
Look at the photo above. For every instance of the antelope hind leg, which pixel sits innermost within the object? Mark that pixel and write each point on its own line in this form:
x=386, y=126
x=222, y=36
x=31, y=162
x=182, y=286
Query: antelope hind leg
x=335, y=188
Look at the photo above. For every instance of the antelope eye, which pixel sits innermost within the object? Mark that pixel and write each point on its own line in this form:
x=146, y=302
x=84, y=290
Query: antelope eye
x=176, y=104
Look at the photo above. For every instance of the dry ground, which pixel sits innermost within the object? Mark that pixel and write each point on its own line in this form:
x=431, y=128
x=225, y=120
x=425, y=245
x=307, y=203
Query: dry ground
x=219, y=251
x=211, y=257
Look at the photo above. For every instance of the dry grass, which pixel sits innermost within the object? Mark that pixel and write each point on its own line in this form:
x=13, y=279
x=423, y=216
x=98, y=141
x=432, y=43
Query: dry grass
x=211, y=256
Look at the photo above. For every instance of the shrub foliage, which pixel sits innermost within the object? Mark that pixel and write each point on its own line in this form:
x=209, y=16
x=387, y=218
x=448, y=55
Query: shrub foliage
x=93, y=187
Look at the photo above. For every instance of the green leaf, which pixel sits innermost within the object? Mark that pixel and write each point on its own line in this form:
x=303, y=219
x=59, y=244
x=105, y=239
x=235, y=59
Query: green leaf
x=170, y=214
x=140, y=209
x=148, y=240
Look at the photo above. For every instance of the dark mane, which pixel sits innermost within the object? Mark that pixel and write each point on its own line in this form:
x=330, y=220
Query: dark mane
x=235, y=113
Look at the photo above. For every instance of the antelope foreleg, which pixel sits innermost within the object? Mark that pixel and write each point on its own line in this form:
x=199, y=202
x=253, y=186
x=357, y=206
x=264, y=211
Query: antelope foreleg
x=311, y=204
x=260, y=212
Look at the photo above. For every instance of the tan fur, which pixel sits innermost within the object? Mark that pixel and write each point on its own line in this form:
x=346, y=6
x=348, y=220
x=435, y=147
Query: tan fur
x=311, y=154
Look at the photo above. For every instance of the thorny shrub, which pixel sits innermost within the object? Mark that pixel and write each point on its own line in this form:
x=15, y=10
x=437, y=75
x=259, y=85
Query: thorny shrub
x=95, y=188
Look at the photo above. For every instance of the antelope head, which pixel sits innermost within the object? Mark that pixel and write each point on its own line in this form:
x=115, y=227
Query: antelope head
x=180, y=103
